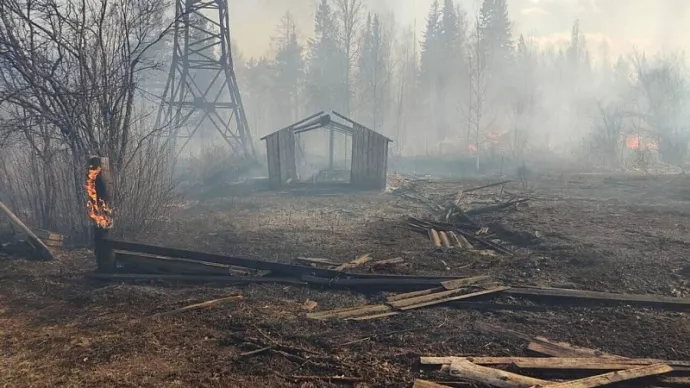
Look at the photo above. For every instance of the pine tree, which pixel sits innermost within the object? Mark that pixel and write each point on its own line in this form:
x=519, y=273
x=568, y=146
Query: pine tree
x=496, y=35
x=430, y=45
x=288, y=70
x=373, y=73
x=326, y=63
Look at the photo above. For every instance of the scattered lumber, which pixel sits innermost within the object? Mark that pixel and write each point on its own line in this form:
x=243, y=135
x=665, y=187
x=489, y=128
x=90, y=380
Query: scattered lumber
x=467, y=370
x=198, y=306
x=354, y=263
x=601, y=297
x=614, y=377
x=446, y=285
x=40, y=247
x=401, y=305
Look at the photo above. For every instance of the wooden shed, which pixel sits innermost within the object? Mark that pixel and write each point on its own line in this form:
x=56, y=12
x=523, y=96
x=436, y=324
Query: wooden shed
x=369, y=154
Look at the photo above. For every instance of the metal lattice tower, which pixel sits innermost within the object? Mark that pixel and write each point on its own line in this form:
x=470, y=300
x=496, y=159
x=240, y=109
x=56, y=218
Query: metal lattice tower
x=202, y=88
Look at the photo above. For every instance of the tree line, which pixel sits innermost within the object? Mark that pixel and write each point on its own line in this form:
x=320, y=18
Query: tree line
x=467, y=84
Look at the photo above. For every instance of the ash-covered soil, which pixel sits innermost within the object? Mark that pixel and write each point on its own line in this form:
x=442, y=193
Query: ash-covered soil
x=618, y=234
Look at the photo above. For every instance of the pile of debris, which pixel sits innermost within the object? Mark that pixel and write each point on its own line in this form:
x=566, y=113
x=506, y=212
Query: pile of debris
x=569, y=363
x=455, y=226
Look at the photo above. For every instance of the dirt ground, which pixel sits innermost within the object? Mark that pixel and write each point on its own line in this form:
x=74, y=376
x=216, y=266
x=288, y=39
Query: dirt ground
x=621, y=234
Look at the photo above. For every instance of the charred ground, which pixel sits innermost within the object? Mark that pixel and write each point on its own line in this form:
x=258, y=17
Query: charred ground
x=620, y=234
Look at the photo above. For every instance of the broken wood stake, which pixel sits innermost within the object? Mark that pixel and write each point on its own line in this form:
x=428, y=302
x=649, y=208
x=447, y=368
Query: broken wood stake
x=198, y=306
x=40, y=247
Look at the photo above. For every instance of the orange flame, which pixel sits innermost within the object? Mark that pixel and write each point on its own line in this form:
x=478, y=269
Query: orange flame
x=633, y=142
x=98, y=210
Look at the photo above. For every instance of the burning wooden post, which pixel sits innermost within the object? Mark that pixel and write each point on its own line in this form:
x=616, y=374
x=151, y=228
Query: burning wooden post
x=98, y=186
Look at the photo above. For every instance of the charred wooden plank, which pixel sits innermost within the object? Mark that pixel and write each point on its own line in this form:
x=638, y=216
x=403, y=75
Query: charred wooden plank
x=193, y=278
x=41, y=249
x=603, y=297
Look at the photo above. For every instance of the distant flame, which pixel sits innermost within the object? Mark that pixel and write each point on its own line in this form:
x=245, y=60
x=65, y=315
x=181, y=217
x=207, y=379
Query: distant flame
x=99, y=211
x=633, y=142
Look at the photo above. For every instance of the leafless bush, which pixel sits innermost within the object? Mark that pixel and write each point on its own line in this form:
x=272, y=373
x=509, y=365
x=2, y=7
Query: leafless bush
x=212, y=165
x=68, y=85
x=47, y=192
x=605, y=142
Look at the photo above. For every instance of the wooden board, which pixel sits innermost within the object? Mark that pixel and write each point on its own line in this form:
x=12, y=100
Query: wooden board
x=446, y=285
x=636, y=300
x=454, y=298
x=175, y=265
x=562, y=349
x=466, y=370
x=592, y=363
x=614, y=377
x=273, y=160
x=400, y=304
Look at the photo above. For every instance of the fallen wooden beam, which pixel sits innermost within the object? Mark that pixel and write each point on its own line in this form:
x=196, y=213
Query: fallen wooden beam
x=494, y=377
x=276, y=268
x=175, y=265
x=193, y=278
x=603, y=297
x=198, y=306
x=379, y=284
x=591, y=363
x=614, y=377
x=41, y=249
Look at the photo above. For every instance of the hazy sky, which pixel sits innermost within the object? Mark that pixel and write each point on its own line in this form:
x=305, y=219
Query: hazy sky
x=650, y=25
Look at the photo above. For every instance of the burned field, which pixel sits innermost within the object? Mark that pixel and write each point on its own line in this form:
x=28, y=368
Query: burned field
x=625, y=235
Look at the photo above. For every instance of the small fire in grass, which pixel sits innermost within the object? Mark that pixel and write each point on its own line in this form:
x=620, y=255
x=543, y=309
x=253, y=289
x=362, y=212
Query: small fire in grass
x=633, y=142
x=99, y=211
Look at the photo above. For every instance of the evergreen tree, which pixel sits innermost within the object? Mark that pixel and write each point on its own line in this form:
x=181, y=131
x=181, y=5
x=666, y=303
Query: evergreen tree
x=373, y=73
x=430, y=46
x=288, y=70
x=496, y=35
x=326, y=66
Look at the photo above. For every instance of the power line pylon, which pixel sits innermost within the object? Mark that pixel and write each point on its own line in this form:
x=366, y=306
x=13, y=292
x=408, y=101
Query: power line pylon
x=202, y=88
